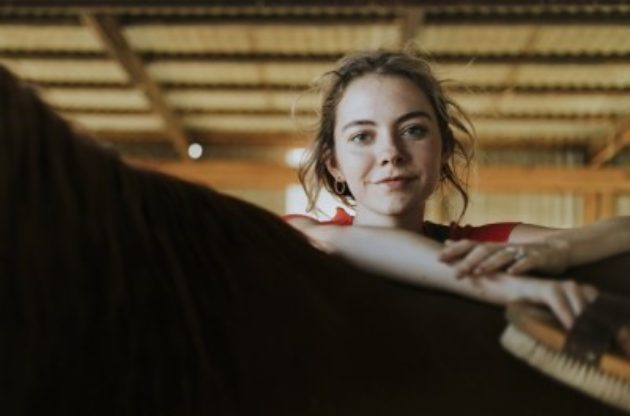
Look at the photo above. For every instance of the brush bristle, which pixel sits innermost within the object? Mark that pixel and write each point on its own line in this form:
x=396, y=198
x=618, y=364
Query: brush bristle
x=577, y=374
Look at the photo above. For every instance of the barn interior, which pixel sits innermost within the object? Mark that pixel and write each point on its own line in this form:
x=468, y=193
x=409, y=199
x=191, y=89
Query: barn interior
x=220, y=92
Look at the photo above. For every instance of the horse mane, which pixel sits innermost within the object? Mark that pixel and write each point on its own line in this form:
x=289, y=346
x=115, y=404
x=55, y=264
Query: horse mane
x=120, y=277
x=124, y=291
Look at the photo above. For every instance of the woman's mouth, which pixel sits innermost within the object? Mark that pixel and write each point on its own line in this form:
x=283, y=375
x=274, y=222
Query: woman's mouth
x=396, y=182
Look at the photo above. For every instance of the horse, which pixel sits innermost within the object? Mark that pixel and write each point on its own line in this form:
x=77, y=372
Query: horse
x=129, y=292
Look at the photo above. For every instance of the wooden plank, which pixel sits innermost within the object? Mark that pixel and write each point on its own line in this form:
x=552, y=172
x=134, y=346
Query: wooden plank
x=276, y=140
x=551, y=180
x=608, y=205
x=290, y=139
x=590, y=208
x=487, y=179
x=107, y=29
x=127, y=5
x=605, y=154
x=319, y=58
x=228, y=174
x=411, y=20
x=511, y=78
x=264, y=112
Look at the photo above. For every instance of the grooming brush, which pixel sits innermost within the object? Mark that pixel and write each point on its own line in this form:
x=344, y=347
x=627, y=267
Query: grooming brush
x=537, y=338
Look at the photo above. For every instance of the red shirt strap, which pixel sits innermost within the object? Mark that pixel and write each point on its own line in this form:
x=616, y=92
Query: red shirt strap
x=497, y=232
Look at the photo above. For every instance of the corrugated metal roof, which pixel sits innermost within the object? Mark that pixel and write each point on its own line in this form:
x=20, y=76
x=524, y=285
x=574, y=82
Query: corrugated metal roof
x=236, y=72
x=533, y=74
x=231, y=100
x=103, y=99
x=116, y=122
x=545, y=104
x=252, y=123
x=302, y=38
x=557, y=75
x=48, y=38
x=569, y=131
x=496, y=39
x=70, y=71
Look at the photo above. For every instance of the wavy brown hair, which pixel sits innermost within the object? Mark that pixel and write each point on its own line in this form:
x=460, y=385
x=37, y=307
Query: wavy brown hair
x=457, y=151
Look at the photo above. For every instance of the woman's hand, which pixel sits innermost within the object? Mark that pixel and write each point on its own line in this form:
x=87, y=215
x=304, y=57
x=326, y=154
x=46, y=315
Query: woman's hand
x=472, y=258
x=565, y=298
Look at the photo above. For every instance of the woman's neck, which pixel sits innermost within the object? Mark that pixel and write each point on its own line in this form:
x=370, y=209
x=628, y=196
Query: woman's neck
x=413, y=221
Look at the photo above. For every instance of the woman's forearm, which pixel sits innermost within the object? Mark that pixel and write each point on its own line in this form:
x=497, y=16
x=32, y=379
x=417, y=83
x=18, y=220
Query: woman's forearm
x=413, y=259
x=593, y=242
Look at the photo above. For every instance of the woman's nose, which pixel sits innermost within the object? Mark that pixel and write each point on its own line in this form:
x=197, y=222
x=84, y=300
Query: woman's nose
x=391, y=152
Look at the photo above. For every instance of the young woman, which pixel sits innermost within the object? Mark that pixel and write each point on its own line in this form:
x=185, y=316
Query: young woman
x=385, y=143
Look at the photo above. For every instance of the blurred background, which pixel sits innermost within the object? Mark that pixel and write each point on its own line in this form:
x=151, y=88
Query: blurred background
x=204, y=90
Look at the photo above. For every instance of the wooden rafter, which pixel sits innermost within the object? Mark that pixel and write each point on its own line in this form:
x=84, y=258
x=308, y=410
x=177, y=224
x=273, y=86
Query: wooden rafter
x=490, y=179
x=577, y=180
x=511, y=79
x=108, y=30
x=323, y=57
x=276, y=140
x=619, y=140
x=411, y=21
x=123, y=5
x=225, y=174
x=460, y=89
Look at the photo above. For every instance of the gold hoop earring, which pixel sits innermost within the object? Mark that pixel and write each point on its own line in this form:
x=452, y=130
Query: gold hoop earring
x=340, y=187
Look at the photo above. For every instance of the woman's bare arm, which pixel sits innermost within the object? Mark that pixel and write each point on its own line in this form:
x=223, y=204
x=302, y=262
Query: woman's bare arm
x=545, y=250
x=413, y=259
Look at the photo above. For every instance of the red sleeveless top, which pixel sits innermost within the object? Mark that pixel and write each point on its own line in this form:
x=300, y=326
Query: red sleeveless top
x=497, y=232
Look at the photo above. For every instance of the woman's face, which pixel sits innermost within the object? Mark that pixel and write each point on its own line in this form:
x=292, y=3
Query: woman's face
x=387, y=146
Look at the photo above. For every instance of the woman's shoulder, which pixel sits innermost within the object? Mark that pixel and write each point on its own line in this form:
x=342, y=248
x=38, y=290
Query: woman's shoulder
x=341, y=217
x=494, y=232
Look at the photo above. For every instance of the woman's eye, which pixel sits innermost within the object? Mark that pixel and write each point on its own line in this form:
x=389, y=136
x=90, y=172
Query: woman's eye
x=415, y=131
x=360, y=138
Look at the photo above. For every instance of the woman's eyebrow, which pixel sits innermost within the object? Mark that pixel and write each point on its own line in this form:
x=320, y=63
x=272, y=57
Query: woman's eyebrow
x=413, y=114
x=359, y=123
x=400, y=119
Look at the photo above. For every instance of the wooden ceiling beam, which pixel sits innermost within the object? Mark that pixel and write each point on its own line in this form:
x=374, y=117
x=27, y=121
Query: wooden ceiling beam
x=291, y=139
x=108, y=30
x=239, y=174
x=459, y=89
x=539, y=16
x=280, y=140
x=441, y=58
x=597, y=118
x=511, y=79
x=551, y=179
x=296, y=19
x=330, y=58
x=411, y=20
x=131, y=5
x=619, y=141
x=224, y=174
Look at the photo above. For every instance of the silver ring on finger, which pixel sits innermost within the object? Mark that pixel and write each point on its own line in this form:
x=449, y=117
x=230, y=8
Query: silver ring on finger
x=517, y=252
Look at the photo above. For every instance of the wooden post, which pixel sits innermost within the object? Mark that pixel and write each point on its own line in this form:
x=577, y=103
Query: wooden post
x=590, y=209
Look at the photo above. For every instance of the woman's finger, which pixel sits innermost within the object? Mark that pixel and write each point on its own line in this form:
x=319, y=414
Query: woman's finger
x=456, y=249
x=590, y=293
x=527, y=260
x=499, y=260
x=478, y=254
x=575, y=297
x=560, y=307
x=623, y=340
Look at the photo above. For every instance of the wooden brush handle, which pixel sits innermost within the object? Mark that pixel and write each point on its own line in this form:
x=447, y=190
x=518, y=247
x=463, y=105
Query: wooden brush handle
x=541, y=325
